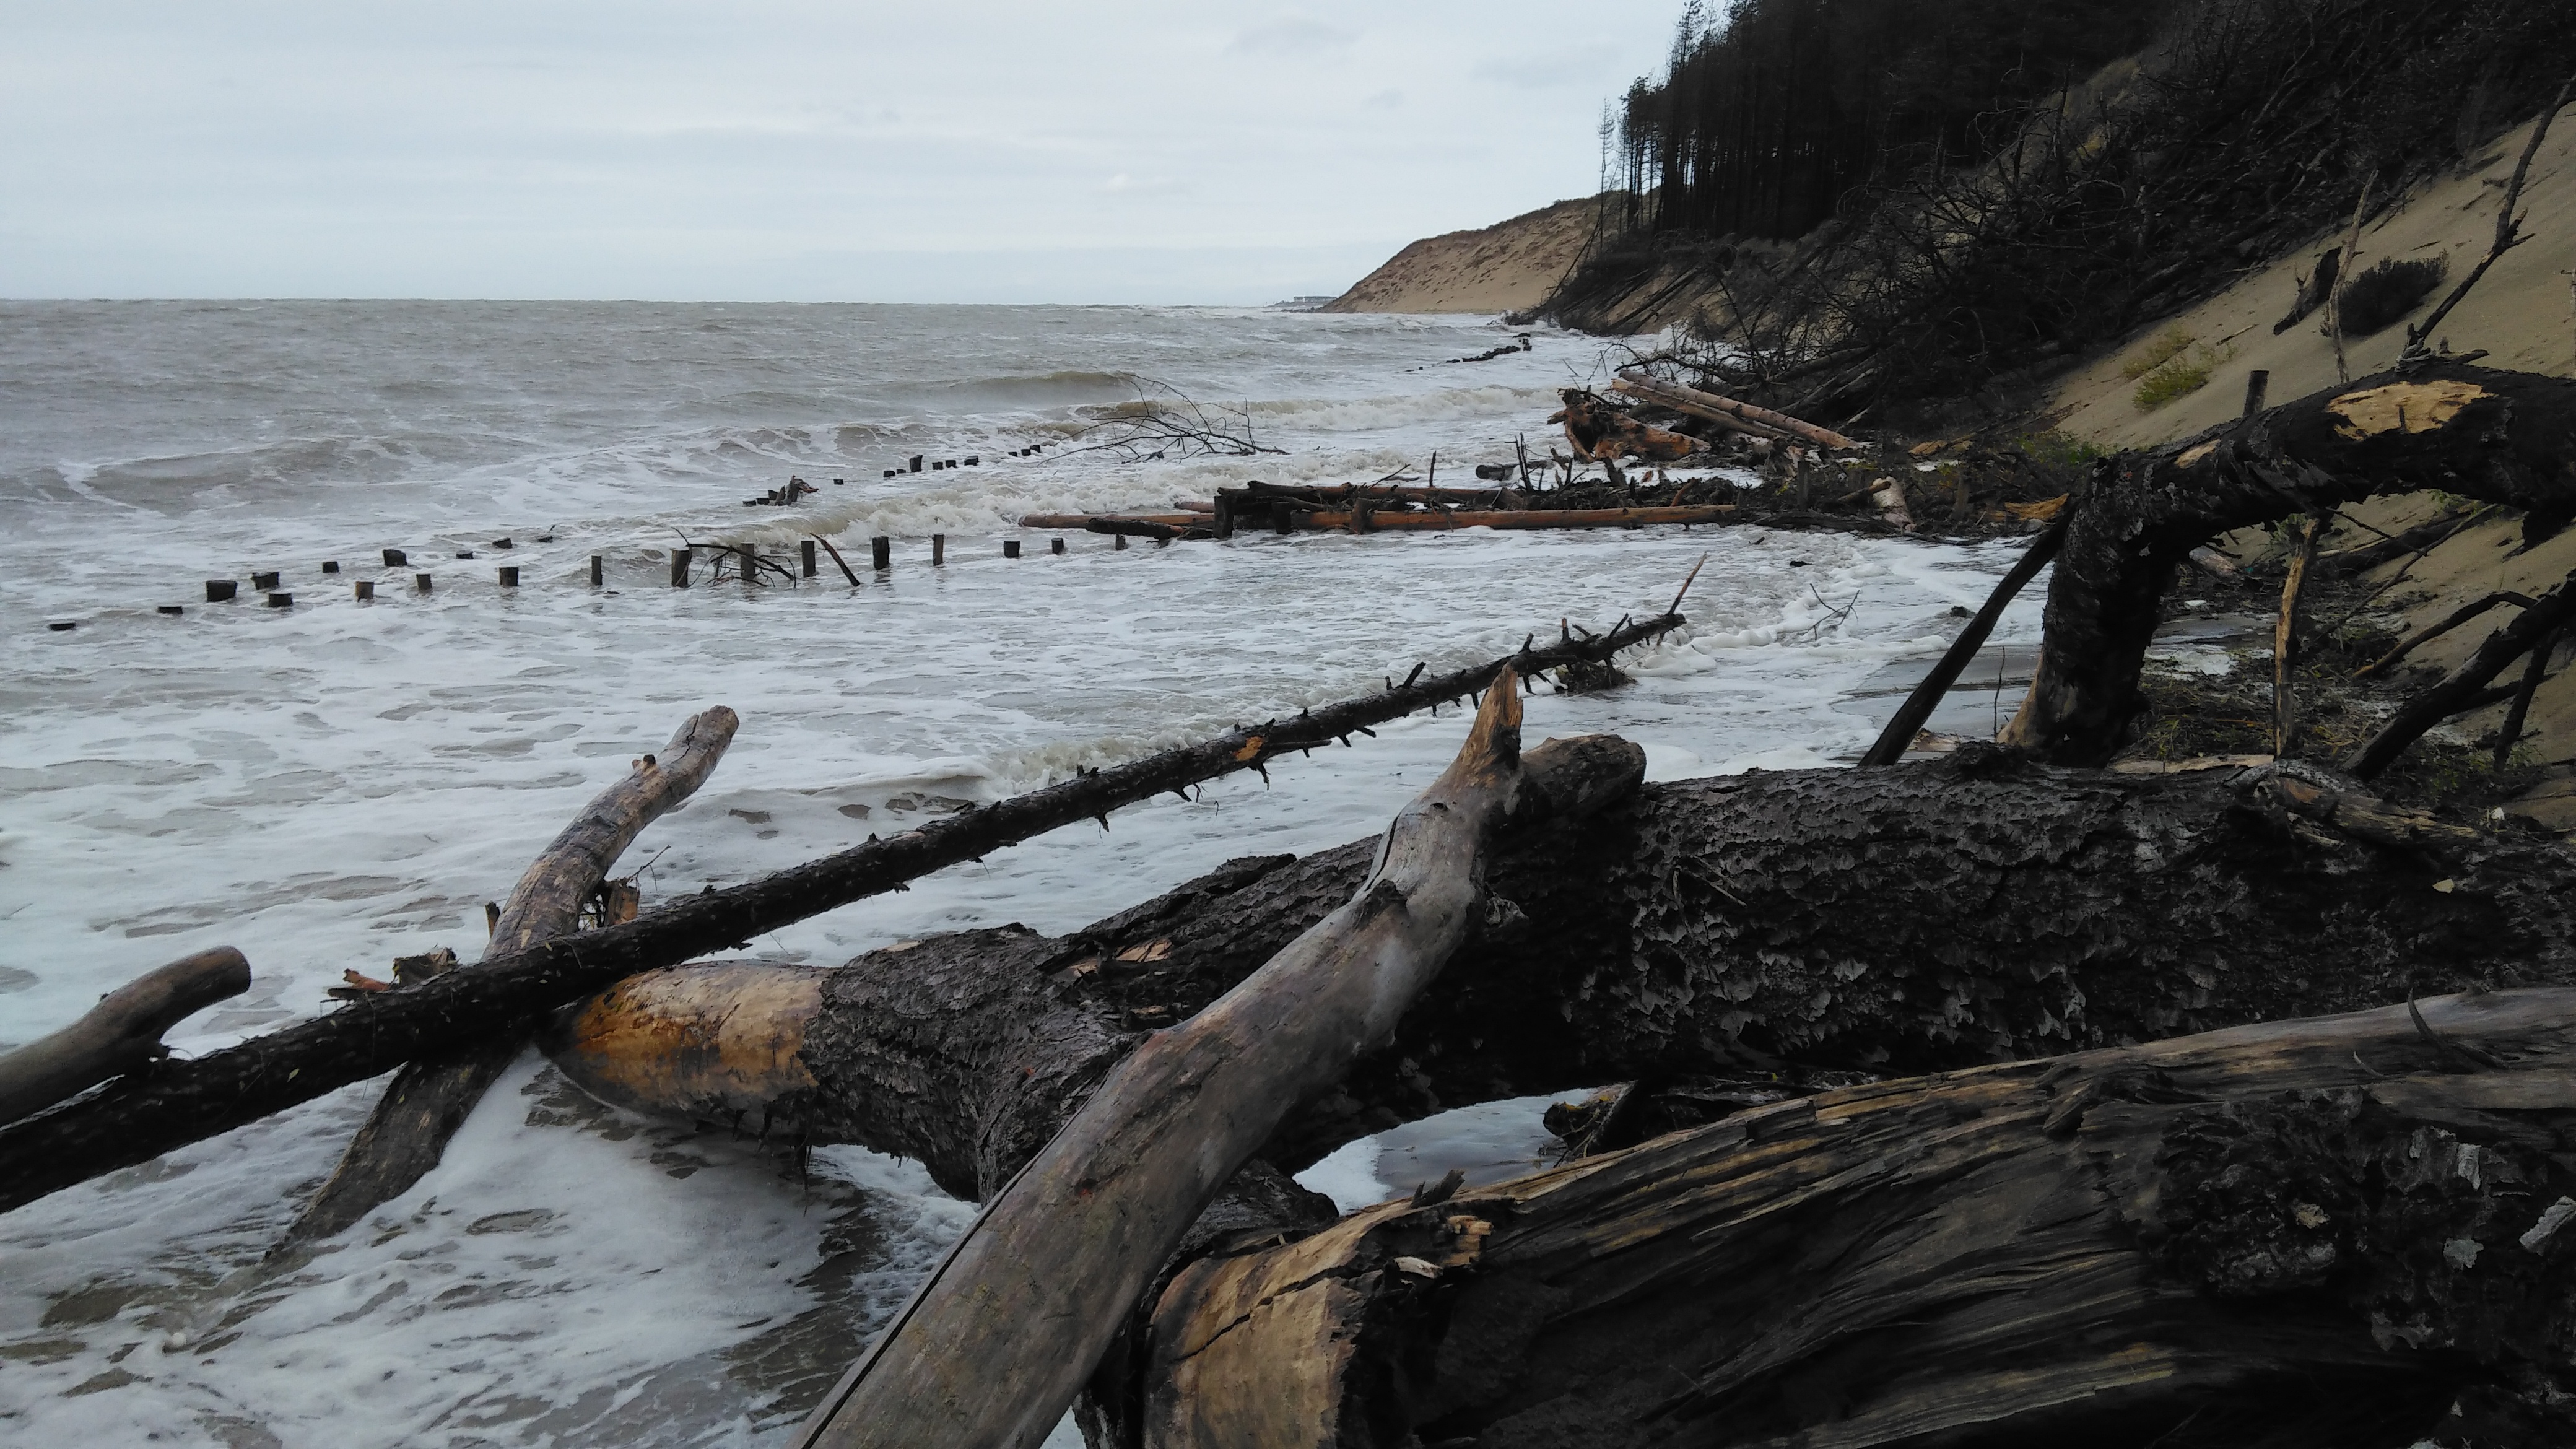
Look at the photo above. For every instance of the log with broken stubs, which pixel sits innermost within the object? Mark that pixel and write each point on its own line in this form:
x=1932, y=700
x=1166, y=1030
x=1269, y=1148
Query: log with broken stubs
x=139, y=1117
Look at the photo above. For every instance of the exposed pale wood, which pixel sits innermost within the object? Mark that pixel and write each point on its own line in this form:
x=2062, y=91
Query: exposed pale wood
x=995, y=1346
x=120, y=1034
x=1674, y=393
x=2099, y=1248
x=430, y=1098
x=1680, y=401
x=138, y=1119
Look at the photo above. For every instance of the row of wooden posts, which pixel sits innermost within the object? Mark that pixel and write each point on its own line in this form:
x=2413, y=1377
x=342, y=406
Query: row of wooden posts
x=881, y=551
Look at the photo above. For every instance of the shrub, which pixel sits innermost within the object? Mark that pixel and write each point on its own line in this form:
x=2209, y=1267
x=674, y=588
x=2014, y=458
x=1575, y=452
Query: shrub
x=2382, y=295
x=2177, y=376
x=2168, y=345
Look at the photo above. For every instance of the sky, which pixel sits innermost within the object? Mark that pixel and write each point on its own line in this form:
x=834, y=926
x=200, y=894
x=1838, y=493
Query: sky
x=1130, y=151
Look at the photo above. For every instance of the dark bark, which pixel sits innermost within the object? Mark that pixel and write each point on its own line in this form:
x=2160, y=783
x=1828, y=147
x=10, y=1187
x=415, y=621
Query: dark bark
x=1898, y=737
x=997, y=1342
x=2464, y=688
x=1939, y=916
x=148, y=1113
x=120, y=1034
x=2345, y=1230
x=430, y=1098
x=2500, y=437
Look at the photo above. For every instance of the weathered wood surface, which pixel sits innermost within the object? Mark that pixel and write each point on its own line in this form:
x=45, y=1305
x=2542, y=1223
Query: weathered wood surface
x=998, y=1342
x=2341, y=1230
x=1742, y=416
x=120, y=1034
x=430, y=1098
x=141, y=1117
x=1083, y=520
x=1597, y=431
x=2463, y=688
x=2500, y=437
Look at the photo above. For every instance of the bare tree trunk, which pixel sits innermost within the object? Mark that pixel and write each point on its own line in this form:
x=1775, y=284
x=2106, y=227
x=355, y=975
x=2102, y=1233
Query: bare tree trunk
x=2339, y=1230
x=119, y=1034
x=429, y=1099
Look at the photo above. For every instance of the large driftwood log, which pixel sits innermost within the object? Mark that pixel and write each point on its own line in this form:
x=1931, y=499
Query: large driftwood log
x=141, y=1116
x=2345, y=1230
x=1944, y=915
x=120, y=1034
x=2499, y=437
x=1000, y=1339
x=429, y=1099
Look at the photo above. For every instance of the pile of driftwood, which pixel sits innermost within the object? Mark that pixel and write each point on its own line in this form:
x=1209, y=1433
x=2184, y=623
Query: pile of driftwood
x=2216, y=1107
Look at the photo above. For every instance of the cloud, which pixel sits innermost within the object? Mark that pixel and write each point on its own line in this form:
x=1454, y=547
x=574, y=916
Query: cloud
x=1574, y=65
x=1291, y=35
x=1384, y=100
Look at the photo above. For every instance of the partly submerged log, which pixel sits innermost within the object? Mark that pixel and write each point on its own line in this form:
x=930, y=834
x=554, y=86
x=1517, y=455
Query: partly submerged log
x=142, y=1116
x=2500, y=437
x=2346, y=1230
x=430, y=1098
x=995, y=1345
x=1529, y=518
x=120, y=1034
x=1598, y=431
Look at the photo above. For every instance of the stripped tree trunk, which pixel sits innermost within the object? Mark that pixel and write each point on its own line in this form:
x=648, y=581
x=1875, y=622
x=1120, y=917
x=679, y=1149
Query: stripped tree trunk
x=1000, y=1339
x=2500, y=437
x=429, y=1099
x=2338, y=1230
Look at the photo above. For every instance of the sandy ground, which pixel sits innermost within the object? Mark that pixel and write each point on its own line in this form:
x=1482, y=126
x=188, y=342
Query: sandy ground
x=1506, y=267
x=2522, y=312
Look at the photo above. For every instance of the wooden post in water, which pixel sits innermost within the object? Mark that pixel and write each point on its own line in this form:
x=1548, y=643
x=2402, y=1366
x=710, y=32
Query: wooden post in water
x=366, y=591
x=330, y=566
x=804, y=549
x=221, y=590
x=421, y=582
x=938, y=549
x=509, y=578
x=281, y=601
x=680, y=568
x=1055, y=546
x=395, y=558
x=1119, y=545
x=598, y=571
x=750, y=556
x=1010, y=548
x=881, y=552
x=263, y=581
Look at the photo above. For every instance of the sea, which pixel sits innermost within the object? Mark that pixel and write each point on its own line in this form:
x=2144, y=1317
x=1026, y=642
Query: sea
x=330, y=783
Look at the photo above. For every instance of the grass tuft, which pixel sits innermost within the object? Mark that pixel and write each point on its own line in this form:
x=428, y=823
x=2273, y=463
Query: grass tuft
x=2168, y=345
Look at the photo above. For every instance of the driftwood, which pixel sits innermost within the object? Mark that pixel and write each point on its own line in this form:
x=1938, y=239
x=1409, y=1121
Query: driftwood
x=2501, y=437
x=144, y=1115
x=120, y=1034
x=2285, y=642
x=1743, y=416
x=1599, y=432
x=1898, y=736
x=1532, y=518
x=430, y=1098
x=1000, y=1339
x=2341, y=1230
x=2438, y=628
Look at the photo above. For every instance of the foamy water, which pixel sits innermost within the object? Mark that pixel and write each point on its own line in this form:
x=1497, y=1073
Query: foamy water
x=336, y=784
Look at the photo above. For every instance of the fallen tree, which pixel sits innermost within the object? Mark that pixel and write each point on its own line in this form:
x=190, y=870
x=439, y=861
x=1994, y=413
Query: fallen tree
x=2337, y=1230
x=2497, y=437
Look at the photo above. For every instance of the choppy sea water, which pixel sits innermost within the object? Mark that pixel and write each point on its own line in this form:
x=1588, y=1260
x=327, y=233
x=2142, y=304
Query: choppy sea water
x=332, y=785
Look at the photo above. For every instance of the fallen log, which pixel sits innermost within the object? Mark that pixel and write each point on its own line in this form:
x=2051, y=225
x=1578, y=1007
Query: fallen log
x=1142, y=528
x=430, y=1098
x=2336, y=1230
x=1648, y=390
x=146, y=1114
x=1083, y=520
x=2500, y=437
x=997, y=1343
x=2464, y=688
x=1674, y=395
x=1528, y=518
x=1599, y=432
x=120, y=1034
x=2438, y=628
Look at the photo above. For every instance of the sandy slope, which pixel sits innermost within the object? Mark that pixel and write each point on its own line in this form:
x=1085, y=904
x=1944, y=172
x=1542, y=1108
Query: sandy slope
x=1505, y=267
x=2522, y=312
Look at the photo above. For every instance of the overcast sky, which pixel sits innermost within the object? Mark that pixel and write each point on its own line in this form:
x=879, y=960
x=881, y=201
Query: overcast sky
x=956, y=150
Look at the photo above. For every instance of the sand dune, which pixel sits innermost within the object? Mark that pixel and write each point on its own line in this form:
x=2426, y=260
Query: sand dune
x=1506, y=267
